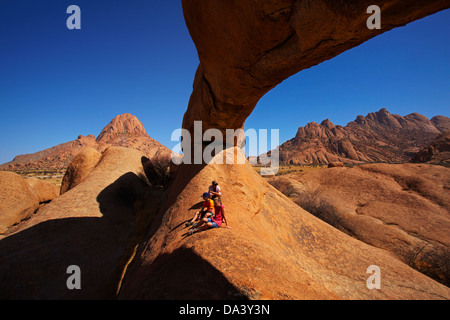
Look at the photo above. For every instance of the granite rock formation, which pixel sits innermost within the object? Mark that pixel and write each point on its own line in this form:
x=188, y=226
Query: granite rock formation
x=400, y=208
x=124, y=130
x=378, y=137
x=438, y=152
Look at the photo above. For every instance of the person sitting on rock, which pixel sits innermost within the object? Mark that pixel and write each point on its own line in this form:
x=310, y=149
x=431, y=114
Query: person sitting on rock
x=212, y=222
x=206, y=211
x=214, y=190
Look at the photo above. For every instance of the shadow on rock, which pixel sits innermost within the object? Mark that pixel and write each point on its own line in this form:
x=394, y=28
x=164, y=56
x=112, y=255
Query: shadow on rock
x=181, y=275
x=34, y=261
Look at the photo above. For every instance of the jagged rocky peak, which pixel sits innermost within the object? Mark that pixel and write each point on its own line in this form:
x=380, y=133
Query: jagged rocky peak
x=378, y=137
x=327, y=124
x=123, y=125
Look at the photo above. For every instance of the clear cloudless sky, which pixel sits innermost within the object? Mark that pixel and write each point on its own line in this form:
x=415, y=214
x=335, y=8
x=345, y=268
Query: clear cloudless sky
x=137, y=57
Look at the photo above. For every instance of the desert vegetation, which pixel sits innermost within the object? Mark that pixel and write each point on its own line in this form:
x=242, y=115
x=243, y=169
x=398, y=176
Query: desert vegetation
x=287, y=169
x=54, y=176
x=432, y=261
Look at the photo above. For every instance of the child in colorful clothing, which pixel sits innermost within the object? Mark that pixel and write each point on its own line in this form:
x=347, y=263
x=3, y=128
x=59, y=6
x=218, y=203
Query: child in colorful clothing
x=214, y=190
x=206, y=211
x=212, y=222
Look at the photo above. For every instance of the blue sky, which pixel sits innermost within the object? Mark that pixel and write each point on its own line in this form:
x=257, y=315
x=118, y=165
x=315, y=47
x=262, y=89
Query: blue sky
x=137, y=57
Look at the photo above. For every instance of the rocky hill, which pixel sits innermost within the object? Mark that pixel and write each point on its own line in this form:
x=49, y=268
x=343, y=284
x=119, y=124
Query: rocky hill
x=124, y=130
x=438, y=152
x=378, y=137
x=130, y=242
x=401, y=208
x=275, y=250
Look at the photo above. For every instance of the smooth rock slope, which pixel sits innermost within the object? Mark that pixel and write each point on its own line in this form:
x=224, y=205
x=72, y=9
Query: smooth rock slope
x=95, y=226
x=275, y=250
x=401, y=208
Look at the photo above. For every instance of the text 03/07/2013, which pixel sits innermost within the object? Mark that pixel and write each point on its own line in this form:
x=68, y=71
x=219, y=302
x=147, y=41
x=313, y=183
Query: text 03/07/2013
x=238, y=309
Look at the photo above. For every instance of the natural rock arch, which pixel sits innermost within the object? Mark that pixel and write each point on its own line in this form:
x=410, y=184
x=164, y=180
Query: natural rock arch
x=275, y=250
x=248, y=47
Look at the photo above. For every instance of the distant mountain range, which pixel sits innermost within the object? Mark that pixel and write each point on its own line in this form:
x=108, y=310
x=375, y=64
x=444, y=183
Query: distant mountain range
x=124, y=130
x=378, y=137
